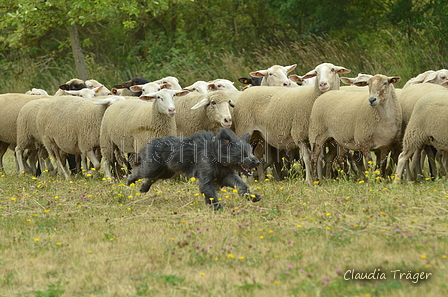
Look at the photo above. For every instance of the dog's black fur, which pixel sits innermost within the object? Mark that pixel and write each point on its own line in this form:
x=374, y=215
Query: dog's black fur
x=212, y=159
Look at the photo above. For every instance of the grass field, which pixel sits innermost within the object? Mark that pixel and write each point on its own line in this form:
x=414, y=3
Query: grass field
x=97, y=237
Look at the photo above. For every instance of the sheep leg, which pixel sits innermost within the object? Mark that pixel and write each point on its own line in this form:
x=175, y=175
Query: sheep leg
x=403, y=158
x=310, y=158
x=416, y=166
x=431, y=160
x=3, y=149
x=444, y=162
x=92, y=157
x=19, y=159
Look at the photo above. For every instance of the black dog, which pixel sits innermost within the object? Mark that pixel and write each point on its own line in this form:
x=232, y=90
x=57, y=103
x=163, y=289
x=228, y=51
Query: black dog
x=212, y=159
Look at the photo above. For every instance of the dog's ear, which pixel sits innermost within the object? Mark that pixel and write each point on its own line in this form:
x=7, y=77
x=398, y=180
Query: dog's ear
x=245, y=137
x=225, y=135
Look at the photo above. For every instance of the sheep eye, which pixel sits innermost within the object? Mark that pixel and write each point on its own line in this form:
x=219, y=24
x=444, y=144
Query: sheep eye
x=213, y=103
x=160, y=98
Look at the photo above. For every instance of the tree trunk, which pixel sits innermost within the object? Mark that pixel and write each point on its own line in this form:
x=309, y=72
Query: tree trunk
x=81, y=68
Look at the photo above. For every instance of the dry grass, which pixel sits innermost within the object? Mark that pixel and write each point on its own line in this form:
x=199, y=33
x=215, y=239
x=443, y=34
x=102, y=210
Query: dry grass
x=93, y=237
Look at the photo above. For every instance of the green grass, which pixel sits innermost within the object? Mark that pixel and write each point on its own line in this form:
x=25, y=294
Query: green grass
x=97, y=237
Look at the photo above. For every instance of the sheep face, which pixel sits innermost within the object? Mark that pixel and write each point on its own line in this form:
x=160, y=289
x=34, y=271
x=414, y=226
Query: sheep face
x=327, y=76
x=275, y=75
x=380, y=87
x=221, y=84
x=146, y=89
x=217, y=109
x=200, y=86
x=439, y=77
x=170, y=82
x=165, y=100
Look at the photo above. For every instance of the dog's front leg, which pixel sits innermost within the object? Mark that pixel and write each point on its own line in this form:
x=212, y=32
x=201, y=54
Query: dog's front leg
x=208, y=188
x=232, y=180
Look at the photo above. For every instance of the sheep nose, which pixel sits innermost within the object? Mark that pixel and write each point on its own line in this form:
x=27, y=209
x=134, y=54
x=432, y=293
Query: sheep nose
x=372, y=101
x=172, y=110
x=228, y=121
x=287, y=84
x=323, y=84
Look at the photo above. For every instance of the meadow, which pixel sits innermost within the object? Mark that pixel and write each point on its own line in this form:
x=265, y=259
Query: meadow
x=95, y=236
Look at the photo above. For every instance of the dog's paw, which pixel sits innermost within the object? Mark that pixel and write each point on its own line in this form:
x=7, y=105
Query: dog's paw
x=254, y=197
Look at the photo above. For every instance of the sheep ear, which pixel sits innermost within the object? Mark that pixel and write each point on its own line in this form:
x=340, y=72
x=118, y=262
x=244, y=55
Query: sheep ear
x=136, y=88
x=394, y=79
x=259, y=73
x=202, y=103
x=181, y=93
x=290, y=68
x=429, y=78
x=245, y=137
x=64, y=87
x=310, y=74
x=244, y=80
x=231, y=103
x=340, y=69
x=346, y=80
x=98, y=89
x=73, y=92
x=296, y=78
x=361, y=83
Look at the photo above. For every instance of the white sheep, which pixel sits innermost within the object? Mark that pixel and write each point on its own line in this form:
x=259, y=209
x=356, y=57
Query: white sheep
x=71, y=125
x=199, y=86
x=196, y=112
x=128, y=125
x=426, y=126
x=146, y=89
x=28, y=137
x=35, y=91
x=221, y=84
x=88, y=92
x=11, y=103
x=275, y=75
x=281, y=115
x=170, y=82
x=357, y=121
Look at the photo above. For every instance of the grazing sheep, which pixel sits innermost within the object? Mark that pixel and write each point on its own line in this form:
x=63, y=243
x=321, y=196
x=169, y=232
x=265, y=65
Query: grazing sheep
x=73, y=84
x=71, y=125
x=11, y=103
x=129, y=124
x=210, y=111
x=35, y=91
x=275, y=75
x=281, y=115
x=426, y=126
x=356, y=120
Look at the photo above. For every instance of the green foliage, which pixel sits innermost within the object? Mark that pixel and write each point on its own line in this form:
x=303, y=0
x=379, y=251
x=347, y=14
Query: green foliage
x=203, y=40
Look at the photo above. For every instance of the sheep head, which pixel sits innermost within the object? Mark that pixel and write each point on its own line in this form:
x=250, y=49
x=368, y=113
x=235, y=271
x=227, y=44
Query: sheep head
x=275, y=75
x=380, y=88
x=217, y=108
x=327, y=76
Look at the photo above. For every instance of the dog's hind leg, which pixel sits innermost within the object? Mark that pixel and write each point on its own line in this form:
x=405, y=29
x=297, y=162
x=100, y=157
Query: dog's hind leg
x=233, y=180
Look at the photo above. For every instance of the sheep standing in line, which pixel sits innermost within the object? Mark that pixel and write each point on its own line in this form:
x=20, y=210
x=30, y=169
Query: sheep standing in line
x=356, y=120
x=128, y=125
x=11, y=103
x=281, y=115
x=408, y=98
x=196, y=112
x=28, y=137
x=427, y=126
x=275, y=75
x=71, y=125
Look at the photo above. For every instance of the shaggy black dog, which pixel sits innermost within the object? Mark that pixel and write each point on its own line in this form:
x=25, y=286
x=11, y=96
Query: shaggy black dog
x=212, y=159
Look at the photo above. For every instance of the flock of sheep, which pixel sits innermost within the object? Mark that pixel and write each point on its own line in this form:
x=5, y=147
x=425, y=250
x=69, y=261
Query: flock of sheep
x=309, y=117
